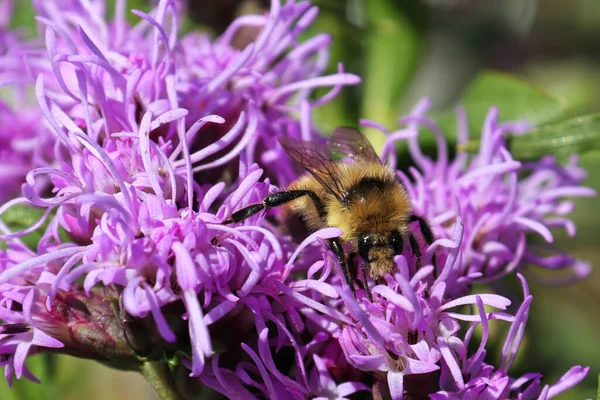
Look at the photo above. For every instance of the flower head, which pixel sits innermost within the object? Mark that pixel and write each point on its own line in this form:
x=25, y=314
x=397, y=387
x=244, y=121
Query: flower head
x=125, y=183
x=21, y=333
x=24, y=142
x=158, y=139
x=503, y=202
x=130, y=71
x=472, y=377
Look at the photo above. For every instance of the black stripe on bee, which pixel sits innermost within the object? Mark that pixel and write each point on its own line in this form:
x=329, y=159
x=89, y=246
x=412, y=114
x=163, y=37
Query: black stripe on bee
x=366, y=186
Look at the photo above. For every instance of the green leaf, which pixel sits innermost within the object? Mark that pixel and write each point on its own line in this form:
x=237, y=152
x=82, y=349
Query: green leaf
x=393, y=47
x=572, y=80
x=338, y=18
x=519, y=100
x=19, y=217
x=598, y=392
x=575, y=135
x=23, y=15
x=561, y=139
x=43, y=367
x=143, y=5
x=515, y=98
x=23, y=18
x=345, y=48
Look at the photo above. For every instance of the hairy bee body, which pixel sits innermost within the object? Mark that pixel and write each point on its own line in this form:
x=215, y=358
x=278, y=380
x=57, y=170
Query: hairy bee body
x=362, y=197
x=373, y=202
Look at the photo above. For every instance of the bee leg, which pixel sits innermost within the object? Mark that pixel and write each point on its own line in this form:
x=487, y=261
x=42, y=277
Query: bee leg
x=363, y=268
x=414, y=245
x=338, y=250
x=351, y=261
x=428, y=236
x=274, y=200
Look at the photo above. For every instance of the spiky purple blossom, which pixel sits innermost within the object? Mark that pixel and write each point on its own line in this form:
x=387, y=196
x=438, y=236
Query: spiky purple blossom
x=503, y=201
x=24, y=144
x=472, y=378
x=122, y=181
x=147, y=68
x=138, y=117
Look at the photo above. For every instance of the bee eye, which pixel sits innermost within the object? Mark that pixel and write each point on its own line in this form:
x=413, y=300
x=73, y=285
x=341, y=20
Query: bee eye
x=395, y=242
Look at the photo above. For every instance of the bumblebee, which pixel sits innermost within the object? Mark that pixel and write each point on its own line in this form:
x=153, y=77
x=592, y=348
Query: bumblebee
x=362, y=197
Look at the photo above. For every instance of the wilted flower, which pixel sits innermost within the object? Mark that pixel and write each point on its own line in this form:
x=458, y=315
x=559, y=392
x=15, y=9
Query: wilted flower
x=149, y=272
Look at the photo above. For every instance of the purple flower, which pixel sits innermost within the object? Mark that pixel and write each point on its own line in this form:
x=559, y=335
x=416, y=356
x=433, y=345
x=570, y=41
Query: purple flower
x=125, y=182
x=21, y=332
x=146, y=68
x=502, y=201
x=324, y=387
x=24, y=142
x=157, y=139
x=410, y=329
x=469, y=377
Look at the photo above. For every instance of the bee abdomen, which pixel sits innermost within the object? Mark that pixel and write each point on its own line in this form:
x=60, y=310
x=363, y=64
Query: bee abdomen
x=300, y=217
x=294, y=224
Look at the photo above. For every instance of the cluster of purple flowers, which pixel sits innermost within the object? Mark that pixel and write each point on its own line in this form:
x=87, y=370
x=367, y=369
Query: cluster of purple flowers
x=154, y=139
x=23, y=142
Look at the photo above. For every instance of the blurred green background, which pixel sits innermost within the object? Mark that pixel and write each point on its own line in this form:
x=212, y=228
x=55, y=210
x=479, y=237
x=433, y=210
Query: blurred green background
x=405, y=50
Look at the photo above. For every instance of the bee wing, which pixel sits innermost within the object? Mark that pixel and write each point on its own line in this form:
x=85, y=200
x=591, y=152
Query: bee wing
x=352, y=143
x=316, y=159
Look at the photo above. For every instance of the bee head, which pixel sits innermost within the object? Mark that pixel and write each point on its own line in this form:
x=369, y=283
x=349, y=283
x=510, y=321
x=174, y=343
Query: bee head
x=379, y=251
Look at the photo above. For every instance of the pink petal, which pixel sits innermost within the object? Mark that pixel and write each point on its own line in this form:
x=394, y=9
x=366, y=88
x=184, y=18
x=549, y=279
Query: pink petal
x=493, y=300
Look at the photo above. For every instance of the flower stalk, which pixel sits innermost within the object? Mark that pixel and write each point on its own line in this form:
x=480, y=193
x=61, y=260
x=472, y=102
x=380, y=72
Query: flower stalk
x=158, y=375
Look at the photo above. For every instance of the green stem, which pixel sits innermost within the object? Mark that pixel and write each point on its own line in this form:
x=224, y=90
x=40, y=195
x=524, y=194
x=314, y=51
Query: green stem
x=158, y=375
